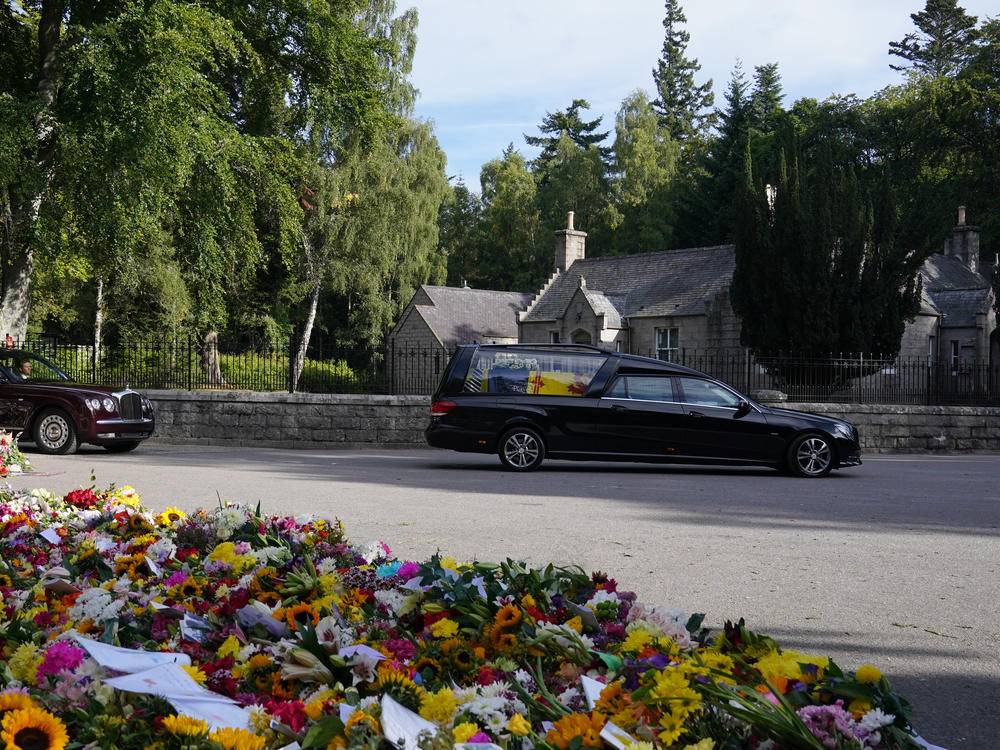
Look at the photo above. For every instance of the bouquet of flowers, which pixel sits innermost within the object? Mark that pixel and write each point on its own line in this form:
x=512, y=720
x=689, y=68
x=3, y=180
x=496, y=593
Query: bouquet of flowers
x=12, y=461
x=121, y=628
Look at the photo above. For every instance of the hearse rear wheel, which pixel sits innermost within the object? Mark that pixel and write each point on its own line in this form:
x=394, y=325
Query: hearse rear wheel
x=521, y=449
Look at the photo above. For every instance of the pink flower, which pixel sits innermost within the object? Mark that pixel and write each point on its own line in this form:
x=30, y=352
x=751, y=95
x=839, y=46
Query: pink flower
x=479, y=737
x=60, y=656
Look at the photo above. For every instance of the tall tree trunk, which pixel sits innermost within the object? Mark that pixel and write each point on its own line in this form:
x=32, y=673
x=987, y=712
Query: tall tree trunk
x=300, y=355
x=18, y=265
x=98, y=325
x=317, y=274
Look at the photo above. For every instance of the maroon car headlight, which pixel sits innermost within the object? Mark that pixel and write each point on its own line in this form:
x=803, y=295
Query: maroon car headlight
x=93, y=403
x=109, y=405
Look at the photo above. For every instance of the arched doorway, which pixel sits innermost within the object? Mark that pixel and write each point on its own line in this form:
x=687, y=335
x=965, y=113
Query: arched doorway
x=581, y=337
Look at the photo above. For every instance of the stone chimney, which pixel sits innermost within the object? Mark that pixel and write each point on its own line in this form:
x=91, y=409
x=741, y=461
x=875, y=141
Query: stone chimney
x=963, y=242
x=570, y=245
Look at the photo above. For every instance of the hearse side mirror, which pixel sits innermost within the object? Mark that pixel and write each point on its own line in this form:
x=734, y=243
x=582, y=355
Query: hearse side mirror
x=743, y=409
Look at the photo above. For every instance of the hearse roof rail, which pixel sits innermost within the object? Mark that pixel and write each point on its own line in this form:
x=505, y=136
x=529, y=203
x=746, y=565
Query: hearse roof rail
x=557, y=347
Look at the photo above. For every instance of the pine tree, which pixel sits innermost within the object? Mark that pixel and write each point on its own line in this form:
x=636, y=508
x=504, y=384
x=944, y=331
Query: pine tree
x=568, y=123
x=765, y=101
x=684, y=107
x=944, y=41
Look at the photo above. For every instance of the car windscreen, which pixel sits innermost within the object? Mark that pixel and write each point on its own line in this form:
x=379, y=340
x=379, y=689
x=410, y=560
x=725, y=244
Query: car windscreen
x=531, y=373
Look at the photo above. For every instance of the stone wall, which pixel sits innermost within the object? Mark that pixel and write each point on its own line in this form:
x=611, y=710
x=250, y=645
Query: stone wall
x=288, y=420
x=916, y=429
x=303, y=420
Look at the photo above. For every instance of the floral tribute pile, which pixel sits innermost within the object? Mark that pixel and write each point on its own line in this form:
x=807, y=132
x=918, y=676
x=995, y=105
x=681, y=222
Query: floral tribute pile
x=120, y=628
x=12, y=461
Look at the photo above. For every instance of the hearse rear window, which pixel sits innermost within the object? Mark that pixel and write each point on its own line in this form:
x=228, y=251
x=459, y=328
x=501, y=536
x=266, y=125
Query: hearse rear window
x=531, y=373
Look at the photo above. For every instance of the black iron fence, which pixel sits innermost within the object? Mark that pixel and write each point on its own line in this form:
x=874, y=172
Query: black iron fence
x=193, y=364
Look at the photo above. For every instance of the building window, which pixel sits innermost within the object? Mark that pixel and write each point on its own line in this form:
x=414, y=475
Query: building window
x=954, y=357
x=667, y=344
x=553, y=337
x=930, y=351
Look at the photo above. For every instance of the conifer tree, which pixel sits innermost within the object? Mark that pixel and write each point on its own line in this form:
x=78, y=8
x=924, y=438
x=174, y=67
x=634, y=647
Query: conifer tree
x=945, y=39
x=683, y=106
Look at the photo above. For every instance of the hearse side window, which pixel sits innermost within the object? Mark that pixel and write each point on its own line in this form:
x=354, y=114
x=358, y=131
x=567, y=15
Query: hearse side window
x=642, y=388
x=532, y=373
x=707, y=393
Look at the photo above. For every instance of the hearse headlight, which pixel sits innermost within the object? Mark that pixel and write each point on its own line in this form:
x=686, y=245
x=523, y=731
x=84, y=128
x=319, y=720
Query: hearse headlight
x=93, y=403
x=844, y=430
x=109, y=405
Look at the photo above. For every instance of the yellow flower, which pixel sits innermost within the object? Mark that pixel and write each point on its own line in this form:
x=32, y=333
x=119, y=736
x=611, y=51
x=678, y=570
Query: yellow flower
x=313, y=709
x=439, y=706
x=24, y=663
x=12, y=701
x=859, y=707
x=575, y=623
x=33, y=727
x=673, y=726
x=195, y=673
x=237, y=739
x=185, y=726
x=223, y=552
x=518, y=725
x=868, y=674
x=444, y=628
x=464, y=731
x=637, y=640
x=705, y=744
x=786, y=664
x=230, y=647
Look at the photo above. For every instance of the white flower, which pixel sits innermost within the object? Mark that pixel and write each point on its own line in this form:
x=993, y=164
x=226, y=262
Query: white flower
x=394, y=600
x=876, y=719
x=96, y=604
x=162, y=549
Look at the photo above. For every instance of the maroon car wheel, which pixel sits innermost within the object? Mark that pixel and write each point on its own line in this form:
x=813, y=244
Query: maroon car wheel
x=55, y=432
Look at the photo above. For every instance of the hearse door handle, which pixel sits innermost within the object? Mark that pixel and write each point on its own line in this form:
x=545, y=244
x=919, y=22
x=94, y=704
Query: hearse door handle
x=619, y=407
x=695, y=414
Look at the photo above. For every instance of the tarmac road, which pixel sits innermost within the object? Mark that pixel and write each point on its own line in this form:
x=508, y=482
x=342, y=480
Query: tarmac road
x=895, y=563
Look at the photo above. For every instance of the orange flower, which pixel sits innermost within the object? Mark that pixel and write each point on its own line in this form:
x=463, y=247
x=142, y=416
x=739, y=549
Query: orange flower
x=585, y=726
x=508, y=616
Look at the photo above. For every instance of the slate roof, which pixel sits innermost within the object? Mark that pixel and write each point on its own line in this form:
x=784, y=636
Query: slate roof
x=955, y=290
x=460, y=315
x=669, y=282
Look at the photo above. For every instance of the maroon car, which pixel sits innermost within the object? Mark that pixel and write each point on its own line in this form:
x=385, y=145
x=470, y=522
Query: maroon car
x=42, y=402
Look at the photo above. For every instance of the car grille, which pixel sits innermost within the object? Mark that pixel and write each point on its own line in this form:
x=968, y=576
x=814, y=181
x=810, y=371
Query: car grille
x=130, y=407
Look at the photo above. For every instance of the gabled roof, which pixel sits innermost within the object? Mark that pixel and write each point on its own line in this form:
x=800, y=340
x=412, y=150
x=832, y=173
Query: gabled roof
x=669, y=282
x=460, y=315
x=956, y=291
x=948, y=273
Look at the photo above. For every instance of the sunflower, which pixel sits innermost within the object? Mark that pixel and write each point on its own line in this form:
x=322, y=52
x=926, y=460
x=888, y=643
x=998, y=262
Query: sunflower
x=185, y=726
x=507, y=616
x=237, y=739
x=12, y=701
x=170, y=516
x=400, y=688
x=282, y=689
x=298, y=615
x=139, y=524
x=6, y=581
x=428, y=663
x=33, y=729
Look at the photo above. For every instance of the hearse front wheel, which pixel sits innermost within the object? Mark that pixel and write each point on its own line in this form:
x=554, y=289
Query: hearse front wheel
x=521, y=449
x=810, y=456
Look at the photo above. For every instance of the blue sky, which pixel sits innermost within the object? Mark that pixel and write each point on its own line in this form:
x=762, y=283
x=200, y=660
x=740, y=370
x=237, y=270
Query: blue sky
x=488, y=72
